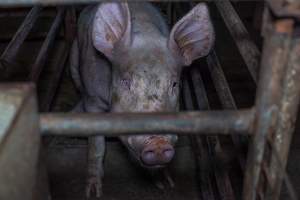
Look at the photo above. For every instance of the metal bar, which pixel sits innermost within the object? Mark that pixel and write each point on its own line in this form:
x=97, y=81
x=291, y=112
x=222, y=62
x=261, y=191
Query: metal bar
x=13, y=47
x=287, y=116
x=47, y=100
x=203, y=165
x=203, y=169
x=19, y=141
x=115, y=124
x=70, y=24
x=213, y=143
x=23, y=3
x=284, y=175
x=240, y=35
x=285, y=8
x=227, y=101
x=59, y=65
x=47, y=45
x=22, y=12
x=269, y=92
x=6, y=37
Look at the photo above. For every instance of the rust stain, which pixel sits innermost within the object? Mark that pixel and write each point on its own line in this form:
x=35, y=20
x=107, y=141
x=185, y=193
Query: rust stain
x=284, y=26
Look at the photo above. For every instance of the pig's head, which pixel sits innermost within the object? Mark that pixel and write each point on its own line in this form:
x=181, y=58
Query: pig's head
x=147, y=67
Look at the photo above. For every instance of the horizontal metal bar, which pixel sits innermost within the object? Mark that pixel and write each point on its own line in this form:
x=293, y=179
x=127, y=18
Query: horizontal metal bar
x=115, y=124
x=19, y=3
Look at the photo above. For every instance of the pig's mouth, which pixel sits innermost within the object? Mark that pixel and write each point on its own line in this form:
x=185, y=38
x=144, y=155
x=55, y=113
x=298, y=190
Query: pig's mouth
x=152, y=167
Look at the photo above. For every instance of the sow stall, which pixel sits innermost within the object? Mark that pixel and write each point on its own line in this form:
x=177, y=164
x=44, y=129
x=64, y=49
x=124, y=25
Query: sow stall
x=261, y=134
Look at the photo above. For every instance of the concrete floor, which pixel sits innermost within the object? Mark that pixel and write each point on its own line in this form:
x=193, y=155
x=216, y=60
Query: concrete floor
x=123, y=179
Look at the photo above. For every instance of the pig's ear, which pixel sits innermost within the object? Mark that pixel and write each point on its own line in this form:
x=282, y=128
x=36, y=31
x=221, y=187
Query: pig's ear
x=193, y=36
x=111, y=25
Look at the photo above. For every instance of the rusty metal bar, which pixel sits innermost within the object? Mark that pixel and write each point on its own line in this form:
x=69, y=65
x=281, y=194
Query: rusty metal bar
x=47, y=45
x=240, y=35
x=221, y=176
x=287, y=116
x=285, y=8
x=228, y=102
x=291, y=190
x=269, y=92
x=115, y=124
x=13, y=47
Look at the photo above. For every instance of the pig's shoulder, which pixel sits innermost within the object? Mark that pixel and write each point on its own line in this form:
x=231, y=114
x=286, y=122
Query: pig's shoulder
x=86, y=18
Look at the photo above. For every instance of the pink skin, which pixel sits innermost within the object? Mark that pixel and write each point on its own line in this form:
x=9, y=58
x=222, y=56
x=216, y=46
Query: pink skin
x=146, y=66
x=145, y=62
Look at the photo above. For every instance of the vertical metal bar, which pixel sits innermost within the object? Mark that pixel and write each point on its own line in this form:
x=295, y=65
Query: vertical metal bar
x=246, y=46
x=269, y=92
x=227, y=101
x=213, y=143
x=287, y=116
x=286, y=179
x=70, y=33
x=47, y=45
x=70, y=24
x=201, y=153
x=60, y=64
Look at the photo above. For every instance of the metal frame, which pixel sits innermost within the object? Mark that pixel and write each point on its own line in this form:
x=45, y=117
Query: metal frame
x=272, y=119
x=19, y=141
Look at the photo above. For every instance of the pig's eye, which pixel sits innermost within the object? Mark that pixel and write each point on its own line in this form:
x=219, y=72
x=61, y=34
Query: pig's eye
x=126, y=83
x=174, y=87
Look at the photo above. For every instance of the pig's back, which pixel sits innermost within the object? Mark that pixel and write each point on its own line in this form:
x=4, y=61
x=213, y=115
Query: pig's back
x=94, y=69
x=146, y=19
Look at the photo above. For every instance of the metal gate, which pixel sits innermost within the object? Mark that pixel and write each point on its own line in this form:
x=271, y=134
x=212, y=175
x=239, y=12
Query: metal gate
x=268, y=125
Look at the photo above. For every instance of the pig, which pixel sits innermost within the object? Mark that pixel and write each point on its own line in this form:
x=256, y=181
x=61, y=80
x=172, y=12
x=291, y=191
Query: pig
x=125, y=59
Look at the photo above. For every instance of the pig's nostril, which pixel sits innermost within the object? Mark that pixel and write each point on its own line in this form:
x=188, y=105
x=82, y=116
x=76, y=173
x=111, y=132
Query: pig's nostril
x=157, y=156
x=168, y=154
x=149, y=157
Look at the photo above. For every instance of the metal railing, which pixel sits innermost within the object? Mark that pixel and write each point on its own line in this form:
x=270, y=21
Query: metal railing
x=267, y=126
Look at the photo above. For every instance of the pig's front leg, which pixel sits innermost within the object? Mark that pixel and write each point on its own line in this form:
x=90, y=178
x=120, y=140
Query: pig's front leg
x=96, y=150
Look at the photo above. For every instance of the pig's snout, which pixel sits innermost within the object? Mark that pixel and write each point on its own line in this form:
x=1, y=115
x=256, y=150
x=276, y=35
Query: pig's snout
x=154, y=154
